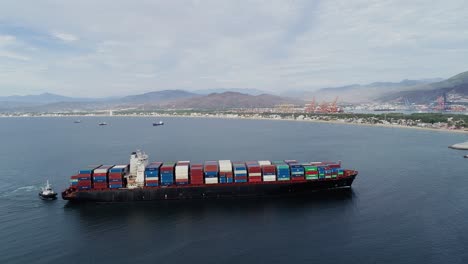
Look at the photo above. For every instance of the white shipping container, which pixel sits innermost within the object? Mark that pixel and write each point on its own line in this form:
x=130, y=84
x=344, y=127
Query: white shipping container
x=101, y=170
x=211, y=180
x=225, y=166
x=264, y=162
x=240, y=172
x=182, y=172
x=255, y=174
x=268, y=178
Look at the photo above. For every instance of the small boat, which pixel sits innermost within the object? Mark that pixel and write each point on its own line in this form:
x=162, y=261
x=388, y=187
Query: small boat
x=77, y=121
x=466, y=156
x=160, y=123
x=103, y=124
x=47, y=193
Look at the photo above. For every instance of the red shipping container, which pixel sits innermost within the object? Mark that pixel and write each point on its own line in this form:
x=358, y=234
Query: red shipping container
x=147, y=180
x=100, y=174
x=84, y=183
x=100, y=185
x=115, y=176
x=254, y=179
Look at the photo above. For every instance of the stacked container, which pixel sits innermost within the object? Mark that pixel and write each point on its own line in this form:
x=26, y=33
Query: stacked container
x=116, y=175
x=240, y=172
x=328, y=172
x=196, y=174
x=311, y=172
x=167, y=173
x=297, y=171
x=321, y=172
x=254, y=171
x=100, y=177
x=334, y=169
x=152, y=174
x=182, y=172
x=74, y=180
x=269, y=172
x=340, y=172
x=211, y=172
x=282, y=171
x=85, y=177
x=225, y=171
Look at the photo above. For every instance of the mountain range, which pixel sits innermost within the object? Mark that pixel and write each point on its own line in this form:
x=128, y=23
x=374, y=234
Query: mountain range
x=415, y=91
x=173, y=99
x=357, y=93
x=454, y=88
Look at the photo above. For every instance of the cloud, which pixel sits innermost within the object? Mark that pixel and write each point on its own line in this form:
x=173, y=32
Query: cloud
x=65, y=37
x=272, y=45
x=7, y=43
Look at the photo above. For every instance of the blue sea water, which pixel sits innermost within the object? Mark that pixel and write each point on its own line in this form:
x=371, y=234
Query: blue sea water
x=409, y=203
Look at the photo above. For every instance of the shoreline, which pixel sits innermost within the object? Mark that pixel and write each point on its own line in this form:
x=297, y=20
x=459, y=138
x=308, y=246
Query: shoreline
x=458, y=131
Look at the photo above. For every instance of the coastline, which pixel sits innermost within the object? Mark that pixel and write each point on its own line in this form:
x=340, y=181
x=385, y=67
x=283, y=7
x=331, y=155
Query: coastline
x=459, y=131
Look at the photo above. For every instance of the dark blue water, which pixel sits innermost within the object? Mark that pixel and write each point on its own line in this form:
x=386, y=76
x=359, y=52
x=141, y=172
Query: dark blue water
x=408, y=205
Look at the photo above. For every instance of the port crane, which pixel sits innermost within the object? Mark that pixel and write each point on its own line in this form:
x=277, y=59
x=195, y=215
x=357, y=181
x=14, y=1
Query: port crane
x=324, y=107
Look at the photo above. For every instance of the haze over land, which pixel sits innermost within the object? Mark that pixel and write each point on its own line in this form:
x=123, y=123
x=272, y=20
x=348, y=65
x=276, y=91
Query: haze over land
x=411, y=91
x=119, y=48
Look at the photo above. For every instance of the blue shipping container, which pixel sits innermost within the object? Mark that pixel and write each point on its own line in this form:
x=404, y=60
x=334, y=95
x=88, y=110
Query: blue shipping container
x=100, y=180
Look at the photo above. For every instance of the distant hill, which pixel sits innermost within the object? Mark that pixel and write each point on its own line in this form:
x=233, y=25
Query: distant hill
x=44, y=98
x=455, y=88
x=229, y=100
x=236, y=90
x=357, y=93
x=157, y=97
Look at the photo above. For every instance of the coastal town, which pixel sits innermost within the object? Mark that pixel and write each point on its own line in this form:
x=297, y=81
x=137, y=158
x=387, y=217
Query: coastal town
x=433, y=121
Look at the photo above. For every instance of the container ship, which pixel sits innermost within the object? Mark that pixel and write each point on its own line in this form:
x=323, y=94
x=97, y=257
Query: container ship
x=141, y=180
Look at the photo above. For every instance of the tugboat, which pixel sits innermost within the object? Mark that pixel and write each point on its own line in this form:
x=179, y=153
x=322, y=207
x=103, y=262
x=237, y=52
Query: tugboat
x=47, y=193
x=160, y=123
x=103, y=124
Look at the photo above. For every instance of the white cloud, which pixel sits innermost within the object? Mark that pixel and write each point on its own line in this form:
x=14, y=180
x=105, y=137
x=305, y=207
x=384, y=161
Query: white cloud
x=7, y=43
x=65, y=37
x=126, y=47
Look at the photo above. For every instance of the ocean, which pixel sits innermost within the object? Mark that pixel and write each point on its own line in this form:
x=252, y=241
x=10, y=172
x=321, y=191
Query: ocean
x=409, y=203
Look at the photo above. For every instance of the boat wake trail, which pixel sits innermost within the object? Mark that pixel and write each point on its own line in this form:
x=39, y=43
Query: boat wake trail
x=19, y=190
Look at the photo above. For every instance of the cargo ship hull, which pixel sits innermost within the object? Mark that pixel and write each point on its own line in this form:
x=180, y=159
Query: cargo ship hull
x=208, y=191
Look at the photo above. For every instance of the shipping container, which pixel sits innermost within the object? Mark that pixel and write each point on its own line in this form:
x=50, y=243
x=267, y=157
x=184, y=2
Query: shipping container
x=182, y=172
x=264, y=162
x=211, y=180
x=254, y=171
x=269, y=173
x=104, y=169
x=196, y=174
x=283, y=172
x=89, y=169
x=123, y=169
x=166, y=176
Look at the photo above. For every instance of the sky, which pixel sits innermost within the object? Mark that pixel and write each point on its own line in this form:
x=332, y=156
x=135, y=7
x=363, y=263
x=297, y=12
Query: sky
x=114, y=47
